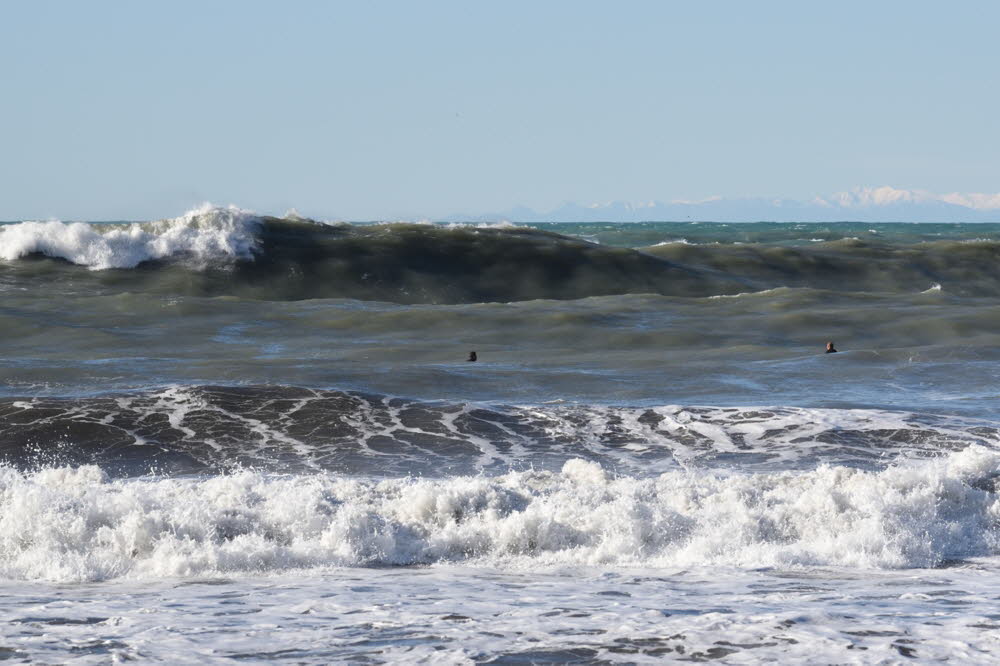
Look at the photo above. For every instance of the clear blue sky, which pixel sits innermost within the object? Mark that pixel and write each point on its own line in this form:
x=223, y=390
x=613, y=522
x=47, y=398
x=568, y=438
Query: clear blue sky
x=364, y=110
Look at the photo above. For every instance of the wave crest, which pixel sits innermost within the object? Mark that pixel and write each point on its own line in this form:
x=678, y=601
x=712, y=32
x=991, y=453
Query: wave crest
x=294, y=258
x=204, y=235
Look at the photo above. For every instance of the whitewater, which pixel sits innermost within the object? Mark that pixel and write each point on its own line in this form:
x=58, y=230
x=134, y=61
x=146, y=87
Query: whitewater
x=231, y=436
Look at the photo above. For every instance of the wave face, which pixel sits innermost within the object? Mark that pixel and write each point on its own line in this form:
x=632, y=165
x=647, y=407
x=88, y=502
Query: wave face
x=296, y=430
x=968, y=268
x=76, y=525
x=229, y=252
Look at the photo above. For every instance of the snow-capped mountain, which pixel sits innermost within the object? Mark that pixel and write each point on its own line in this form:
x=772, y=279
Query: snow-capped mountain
x=862, y=204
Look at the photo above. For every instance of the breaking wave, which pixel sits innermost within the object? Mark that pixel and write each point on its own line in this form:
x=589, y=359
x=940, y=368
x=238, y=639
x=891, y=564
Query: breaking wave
x=75, y=524
x=231, y=252
x=205, y=235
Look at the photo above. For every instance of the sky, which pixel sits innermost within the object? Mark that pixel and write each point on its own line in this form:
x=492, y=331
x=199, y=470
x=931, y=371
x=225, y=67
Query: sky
x=387, y=110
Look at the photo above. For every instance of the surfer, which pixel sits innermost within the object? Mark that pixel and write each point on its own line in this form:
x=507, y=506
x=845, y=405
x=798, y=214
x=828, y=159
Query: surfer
x=472, y=357
x=830, y=349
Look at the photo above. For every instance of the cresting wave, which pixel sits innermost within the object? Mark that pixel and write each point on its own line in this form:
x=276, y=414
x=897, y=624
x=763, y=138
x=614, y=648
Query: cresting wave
x=217, y=252
x=230, y=252
x=74, y=524
x=204, y=236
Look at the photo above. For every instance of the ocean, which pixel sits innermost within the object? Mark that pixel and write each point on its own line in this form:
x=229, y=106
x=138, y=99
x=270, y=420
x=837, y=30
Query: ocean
x=230, y=437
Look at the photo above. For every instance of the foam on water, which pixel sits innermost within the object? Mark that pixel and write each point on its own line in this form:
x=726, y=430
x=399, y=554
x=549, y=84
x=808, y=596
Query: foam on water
x=205, y=234
x=294, y=430
x=458, y=614
x=74, y=524
x=584, y=506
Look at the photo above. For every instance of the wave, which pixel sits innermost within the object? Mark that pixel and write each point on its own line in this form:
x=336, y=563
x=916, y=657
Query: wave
x=231, y=252
x=850, y=265
x=205, y=235
x=215, y=429
x=75, y=524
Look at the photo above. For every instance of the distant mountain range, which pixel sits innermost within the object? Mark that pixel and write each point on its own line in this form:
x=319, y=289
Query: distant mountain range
x=863, y=204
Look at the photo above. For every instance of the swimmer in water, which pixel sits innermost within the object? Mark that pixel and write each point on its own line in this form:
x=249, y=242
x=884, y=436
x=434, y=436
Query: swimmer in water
x=830, y=349
x=472, y=357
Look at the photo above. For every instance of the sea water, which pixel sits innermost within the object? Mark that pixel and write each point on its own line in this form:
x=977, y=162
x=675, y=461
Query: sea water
x=234, y=437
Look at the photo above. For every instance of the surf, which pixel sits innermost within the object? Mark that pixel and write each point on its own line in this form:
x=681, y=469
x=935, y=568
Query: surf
x=77, y=525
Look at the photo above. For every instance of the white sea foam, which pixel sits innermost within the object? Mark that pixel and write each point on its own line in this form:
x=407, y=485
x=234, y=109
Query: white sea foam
x=74, y=524
x=464, y=615
x=204, y=235
x=384, y=436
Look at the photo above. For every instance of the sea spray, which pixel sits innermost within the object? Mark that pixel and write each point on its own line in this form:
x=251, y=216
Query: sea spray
x=203, y=235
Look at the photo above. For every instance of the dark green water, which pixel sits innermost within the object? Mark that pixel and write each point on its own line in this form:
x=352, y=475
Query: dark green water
x=563, y=317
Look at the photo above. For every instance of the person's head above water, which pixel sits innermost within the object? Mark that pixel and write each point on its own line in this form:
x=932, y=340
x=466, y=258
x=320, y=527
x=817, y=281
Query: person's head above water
x=472, y=356
x=830, y=349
